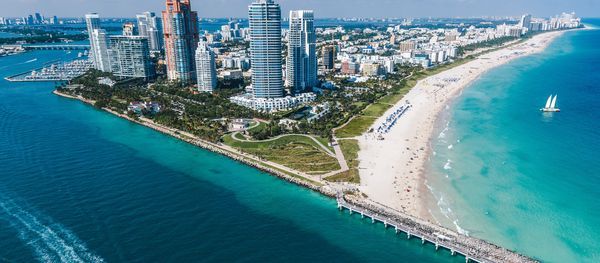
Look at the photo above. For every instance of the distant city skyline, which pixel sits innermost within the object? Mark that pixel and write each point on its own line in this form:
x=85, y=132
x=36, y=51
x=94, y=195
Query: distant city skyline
x=325, y=8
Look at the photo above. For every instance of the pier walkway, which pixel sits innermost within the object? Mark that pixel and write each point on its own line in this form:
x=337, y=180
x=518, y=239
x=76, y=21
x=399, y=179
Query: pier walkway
x=473, y=249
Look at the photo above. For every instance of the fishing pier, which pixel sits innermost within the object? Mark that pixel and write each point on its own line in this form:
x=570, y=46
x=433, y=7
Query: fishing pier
x=473, y=249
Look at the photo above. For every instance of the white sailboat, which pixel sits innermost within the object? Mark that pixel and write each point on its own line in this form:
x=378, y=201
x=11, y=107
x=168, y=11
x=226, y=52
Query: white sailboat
x=551, y=104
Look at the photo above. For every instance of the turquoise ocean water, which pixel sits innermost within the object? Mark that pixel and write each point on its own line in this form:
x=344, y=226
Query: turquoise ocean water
x=504, y=171
x=78, y=184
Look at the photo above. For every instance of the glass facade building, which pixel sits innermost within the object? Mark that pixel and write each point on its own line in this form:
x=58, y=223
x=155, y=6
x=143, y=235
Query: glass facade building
x=130, y=57
x=265, y=49
x=150, y=26
x=301, y=66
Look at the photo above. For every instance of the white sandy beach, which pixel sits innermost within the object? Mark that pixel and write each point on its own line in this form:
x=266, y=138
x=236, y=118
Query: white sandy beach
x=392, y=170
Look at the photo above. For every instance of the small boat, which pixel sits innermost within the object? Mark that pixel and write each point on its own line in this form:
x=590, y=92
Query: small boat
x=551, y=105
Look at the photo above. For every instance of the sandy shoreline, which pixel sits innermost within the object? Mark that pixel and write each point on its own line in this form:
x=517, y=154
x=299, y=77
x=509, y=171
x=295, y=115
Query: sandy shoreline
x=392, y=170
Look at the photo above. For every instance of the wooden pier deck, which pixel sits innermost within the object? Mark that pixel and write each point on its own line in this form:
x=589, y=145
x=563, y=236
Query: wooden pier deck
x=473, y=249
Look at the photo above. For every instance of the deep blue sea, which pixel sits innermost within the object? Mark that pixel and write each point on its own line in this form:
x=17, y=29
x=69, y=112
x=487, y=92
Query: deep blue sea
x=530, y=181
x=78, y=184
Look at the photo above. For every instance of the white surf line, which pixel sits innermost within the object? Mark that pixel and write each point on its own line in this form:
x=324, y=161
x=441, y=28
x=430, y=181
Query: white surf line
x=50, y=241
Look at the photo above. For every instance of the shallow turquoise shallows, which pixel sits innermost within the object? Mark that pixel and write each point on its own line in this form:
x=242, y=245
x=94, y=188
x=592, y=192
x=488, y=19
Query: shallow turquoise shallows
x=506, y=172
x=80, y=184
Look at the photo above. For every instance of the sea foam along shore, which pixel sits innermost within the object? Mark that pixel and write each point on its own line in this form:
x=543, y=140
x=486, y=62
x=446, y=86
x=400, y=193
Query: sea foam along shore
x=392, y=167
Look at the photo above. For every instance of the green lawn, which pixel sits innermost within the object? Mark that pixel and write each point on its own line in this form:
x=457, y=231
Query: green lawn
x=296, y=152
x=260, y=126
x=376, y=109
x=239, y=136
x=356, y=127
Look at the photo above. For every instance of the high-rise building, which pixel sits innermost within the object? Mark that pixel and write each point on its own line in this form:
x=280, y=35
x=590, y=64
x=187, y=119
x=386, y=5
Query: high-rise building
x=525, y=21
x=129, y=29
x=180, y=26
x=130, y=56
x=302, y=55
x=328, y=57
x=150, y=26
x=53, y=20
x=265, y=49
x=206, y=69
x=408, y=46
x=39, y=19
x=98, y=43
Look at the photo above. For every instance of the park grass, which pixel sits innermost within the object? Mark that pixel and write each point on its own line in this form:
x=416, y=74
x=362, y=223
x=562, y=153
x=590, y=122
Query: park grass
x=296, y=152
x=376, y=109
x=356, y=127
x=239, y=136
x=325, y=142
x=350, y=149
x=260, y=126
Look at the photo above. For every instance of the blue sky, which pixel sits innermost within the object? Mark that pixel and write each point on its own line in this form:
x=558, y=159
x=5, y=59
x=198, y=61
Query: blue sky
x=323, y=8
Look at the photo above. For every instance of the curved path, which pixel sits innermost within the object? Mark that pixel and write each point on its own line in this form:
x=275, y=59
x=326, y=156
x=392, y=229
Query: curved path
x=323, y=147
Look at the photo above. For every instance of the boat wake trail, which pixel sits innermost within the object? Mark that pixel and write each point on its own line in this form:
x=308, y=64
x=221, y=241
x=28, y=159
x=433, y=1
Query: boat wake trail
x=50, y=241
x=29, y=61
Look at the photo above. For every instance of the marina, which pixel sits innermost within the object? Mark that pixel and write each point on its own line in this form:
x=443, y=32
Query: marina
x=54, y=71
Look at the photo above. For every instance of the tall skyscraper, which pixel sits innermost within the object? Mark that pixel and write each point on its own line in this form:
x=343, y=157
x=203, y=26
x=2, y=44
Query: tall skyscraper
x=302, y=58
x=39, y=19
x=525, y=21
x=265, y=49
x=98, y=43
x=206, y=69
x=30, y=20
x=130, y=56
x=150, y=26
x=328, y=57
x=180, y=25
